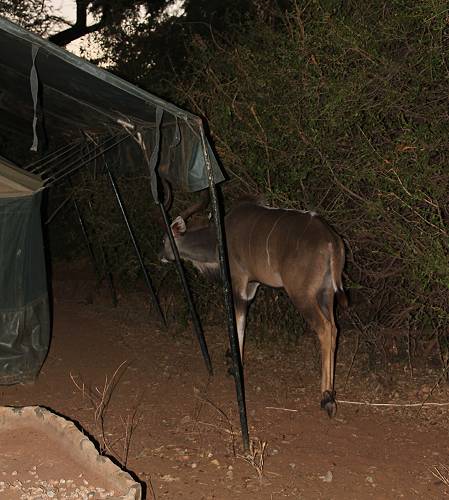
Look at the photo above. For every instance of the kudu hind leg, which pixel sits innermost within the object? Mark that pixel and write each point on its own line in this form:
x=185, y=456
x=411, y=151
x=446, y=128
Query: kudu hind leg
x=323, y=325
x=323, y=322
x=327, y=336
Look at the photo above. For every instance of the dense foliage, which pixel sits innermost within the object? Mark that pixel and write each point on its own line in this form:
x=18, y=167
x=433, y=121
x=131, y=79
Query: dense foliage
x=345, y=112
x=34, y=15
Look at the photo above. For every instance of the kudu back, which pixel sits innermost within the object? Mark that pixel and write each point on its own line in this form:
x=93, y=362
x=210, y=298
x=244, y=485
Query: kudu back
x=280, y=248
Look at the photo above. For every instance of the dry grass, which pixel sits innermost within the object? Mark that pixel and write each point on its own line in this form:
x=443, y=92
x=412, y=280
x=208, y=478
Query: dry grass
x=256, y=456
x=100, y=400
x=441, y=472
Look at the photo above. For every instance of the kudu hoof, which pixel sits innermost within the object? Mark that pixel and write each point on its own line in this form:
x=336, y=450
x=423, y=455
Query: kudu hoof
x=328, y=403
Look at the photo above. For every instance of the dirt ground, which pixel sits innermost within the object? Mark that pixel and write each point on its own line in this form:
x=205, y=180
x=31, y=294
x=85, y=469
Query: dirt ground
x=143, y=393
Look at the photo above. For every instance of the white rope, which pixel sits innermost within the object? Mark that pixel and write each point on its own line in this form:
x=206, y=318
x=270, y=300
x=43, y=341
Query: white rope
x=277, y=408
x=366, y=403
x=405, y=405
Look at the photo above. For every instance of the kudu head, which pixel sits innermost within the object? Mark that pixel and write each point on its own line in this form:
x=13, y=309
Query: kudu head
x=179, y=228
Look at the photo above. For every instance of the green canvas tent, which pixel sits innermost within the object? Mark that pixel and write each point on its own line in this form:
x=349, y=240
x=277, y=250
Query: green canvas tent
x=59, y=113
x=24, y=308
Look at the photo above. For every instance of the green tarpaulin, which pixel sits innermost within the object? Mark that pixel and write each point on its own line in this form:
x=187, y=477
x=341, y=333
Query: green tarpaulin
x=24, y=308
x=51, y=100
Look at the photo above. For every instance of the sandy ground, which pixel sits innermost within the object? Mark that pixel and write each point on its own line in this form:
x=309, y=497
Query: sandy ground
x=144, y=395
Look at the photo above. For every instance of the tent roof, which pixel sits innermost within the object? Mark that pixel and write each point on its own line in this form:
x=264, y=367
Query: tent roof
x=75, y=97
x=16, y=182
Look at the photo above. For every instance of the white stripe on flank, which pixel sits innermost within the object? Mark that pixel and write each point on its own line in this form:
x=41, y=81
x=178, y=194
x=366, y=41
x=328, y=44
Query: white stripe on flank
x=268, y=239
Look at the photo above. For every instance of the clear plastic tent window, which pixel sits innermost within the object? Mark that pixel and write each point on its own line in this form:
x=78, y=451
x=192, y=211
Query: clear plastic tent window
x=50, y=98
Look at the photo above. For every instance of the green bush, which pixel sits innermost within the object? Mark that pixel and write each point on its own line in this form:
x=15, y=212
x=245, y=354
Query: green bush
x=344, y=111
x=339, y=107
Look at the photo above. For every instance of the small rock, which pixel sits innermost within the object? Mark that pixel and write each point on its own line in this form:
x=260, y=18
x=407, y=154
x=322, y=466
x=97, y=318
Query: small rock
x=327, y=478
x=369, y=479
x=169, y=479
x=215, y=462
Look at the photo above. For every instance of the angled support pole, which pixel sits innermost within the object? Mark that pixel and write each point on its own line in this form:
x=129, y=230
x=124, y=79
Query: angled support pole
x=86, y=237
x=135, y=244
x=193, y=313
x=90, y=248
x=229, y=302
x=107, y=268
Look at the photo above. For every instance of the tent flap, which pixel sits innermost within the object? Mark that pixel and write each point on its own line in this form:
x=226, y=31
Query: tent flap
x=24, y=308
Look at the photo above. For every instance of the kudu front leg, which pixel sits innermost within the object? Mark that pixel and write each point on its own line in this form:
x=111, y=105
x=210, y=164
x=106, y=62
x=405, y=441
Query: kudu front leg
x=243, y=295
x=240, y=310
x=242, y=300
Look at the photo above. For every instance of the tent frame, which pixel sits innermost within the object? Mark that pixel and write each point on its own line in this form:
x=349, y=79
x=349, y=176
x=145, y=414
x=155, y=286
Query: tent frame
x=120, y=127
x=48, y=168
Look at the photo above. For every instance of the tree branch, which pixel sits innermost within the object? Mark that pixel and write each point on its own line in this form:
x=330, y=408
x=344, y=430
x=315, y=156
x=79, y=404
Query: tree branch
x=80, y=28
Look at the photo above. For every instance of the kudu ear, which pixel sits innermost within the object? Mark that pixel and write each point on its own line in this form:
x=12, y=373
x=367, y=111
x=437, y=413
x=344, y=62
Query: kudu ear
x=178, y=227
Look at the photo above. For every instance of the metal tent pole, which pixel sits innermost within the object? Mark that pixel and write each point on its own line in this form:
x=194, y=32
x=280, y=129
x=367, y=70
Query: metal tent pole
x=92, y=253
x=196, y=321
x=84, y=230
x=135, y=244
x=106, y=268
x=86, y=237
x=229, y=303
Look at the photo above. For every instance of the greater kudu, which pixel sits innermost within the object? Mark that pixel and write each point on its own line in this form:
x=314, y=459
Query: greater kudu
x=291, y=249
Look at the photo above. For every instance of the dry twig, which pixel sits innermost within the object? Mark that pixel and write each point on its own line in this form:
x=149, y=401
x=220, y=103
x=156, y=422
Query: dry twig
x=256, y=455
x=441, y=472
x=100, y=399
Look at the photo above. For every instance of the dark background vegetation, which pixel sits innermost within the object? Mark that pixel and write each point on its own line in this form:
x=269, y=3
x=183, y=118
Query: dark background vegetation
x=336, y=106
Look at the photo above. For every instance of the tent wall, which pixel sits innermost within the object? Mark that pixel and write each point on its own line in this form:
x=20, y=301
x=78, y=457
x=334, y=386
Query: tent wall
x=24, y=308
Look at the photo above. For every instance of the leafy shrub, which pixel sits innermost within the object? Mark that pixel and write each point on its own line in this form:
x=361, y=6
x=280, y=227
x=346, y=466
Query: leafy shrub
x=344, y=111
x=340, y=108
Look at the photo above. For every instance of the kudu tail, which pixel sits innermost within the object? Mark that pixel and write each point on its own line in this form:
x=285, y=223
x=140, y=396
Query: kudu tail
x=337, y=262
x=342, y=298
